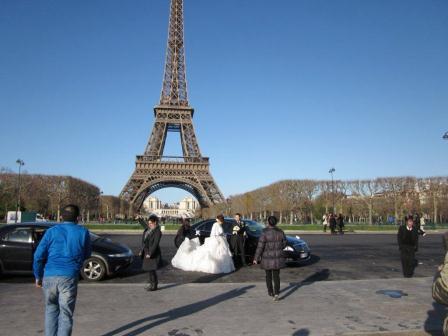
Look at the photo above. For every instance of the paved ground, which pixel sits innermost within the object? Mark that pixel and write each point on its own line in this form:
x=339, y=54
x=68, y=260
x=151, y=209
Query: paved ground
x=351, y=307
x=347, y=257
x=343, y=290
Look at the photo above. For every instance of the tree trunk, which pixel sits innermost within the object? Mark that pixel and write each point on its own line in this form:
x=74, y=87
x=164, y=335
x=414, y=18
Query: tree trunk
x=370, y=213
x=291, y=217
x=435, y=208
x=281, y=217
x=396, y=211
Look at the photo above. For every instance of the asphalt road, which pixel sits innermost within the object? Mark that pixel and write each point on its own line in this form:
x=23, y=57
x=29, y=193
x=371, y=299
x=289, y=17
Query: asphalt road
x=346, y=257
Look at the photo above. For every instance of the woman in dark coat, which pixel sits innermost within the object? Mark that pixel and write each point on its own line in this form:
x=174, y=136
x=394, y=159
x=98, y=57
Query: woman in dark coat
x=270, y=251
x=184, y=231
x=150, y=252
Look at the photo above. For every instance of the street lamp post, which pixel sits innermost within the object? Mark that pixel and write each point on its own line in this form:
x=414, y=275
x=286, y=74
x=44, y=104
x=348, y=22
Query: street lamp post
x=331, y=171
x=19, y=182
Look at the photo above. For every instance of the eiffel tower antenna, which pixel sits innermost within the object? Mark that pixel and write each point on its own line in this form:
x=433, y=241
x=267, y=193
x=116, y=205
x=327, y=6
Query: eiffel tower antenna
x=174, y=88
x=154, y=171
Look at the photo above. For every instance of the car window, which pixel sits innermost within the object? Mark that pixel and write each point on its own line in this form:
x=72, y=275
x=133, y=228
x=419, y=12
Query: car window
x=207, y=226
x=38, y=233
x=20, y=235
x=228, y=226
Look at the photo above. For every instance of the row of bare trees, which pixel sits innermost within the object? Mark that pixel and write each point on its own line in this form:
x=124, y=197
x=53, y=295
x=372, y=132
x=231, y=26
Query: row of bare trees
x=370, y=201
x=47, y=194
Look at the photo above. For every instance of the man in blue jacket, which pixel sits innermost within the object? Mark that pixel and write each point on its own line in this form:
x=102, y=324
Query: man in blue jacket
x=57, y=261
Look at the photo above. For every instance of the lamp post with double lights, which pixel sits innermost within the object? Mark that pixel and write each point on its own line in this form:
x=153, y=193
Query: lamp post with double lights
x=19, y=186
x=331, y=171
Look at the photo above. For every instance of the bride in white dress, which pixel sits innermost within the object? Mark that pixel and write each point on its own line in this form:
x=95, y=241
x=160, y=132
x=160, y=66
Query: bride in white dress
x=212, y=257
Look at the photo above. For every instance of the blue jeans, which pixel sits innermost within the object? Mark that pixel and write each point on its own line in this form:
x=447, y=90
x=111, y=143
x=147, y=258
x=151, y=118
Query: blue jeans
x=60, y=299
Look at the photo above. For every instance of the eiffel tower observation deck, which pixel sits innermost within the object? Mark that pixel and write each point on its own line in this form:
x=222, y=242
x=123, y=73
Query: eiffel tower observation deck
x=154, y=171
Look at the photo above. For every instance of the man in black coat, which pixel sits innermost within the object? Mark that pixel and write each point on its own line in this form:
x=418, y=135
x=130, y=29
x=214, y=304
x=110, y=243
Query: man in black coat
x=333, y=223
x=408, y=244
x=237, y=239
x=150, y=251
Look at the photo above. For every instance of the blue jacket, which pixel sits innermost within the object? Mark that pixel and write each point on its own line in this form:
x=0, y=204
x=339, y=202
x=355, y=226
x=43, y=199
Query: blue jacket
x=62, y=251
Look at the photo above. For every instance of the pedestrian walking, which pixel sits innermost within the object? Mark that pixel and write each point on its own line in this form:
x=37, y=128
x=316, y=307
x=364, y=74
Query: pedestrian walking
x=57, y=262
x=422, y=225
x=340, y=223
x=237, y=240
x=325, y=222
x=270, y=255
x=332, y=223
x=408, y=244
x=150, y=251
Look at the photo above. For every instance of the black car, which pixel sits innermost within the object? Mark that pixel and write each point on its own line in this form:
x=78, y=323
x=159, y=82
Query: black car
x=296, y=250
x=19, y=241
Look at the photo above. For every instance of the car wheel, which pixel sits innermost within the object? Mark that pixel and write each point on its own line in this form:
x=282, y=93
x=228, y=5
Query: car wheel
x=93, y=269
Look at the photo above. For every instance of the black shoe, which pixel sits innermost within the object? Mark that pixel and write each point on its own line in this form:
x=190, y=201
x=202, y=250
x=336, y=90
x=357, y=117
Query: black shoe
x=271, y=294
x=153, y=288
x=149, y=287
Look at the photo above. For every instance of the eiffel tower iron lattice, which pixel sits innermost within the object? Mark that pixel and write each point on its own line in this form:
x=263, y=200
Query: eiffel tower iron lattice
x=190, y=172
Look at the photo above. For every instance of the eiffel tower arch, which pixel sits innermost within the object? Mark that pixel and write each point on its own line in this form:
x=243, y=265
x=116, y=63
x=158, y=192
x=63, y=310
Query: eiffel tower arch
x=191, y=171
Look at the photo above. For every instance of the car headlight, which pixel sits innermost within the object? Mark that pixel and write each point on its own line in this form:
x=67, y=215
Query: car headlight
x=121, y=255
x=288, y=248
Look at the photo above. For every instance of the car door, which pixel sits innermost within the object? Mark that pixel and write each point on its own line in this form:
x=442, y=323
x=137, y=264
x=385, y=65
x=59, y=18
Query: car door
x=203, y=230
x=17, y=251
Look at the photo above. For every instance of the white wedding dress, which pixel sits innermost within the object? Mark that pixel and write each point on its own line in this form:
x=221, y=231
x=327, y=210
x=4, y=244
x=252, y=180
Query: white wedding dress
x=212, y=257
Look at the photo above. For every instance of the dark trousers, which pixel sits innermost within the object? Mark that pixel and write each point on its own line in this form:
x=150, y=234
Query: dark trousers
x=408, y=260
x=273, y=275
x=153, y=278
x=238, y=248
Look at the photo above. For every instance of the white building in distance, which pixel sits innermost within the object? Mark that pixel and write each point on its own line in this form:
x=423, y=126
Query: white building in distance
x=184, y=209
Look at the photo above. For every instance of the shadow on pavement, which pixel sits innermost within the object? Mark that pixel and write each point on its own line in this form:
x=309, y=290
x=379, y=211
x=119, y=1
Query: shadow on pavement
x=434, y=321
x=209, y=278
x=301, y=332
x=318, y=276
x=150, y=322
x=314, y=259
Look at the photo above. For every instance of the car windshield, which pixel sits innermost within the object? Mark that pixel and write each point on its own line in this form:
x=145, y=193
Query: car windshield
x=254, y=227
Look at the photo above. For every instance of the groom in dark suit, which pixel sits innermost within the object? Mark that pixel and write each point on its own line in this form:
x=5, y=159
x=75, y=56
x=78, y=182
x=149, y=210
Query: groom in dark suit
x=237, y=240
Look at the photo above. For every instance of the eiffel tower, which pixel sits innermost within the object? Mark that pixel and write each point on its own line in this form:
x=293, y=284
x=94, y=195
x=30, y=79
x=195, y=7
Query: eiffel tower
x=190, y=172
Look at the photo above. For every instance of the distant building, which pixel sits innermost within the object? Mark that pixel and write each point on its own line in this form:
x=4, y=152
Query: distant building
x=184, y=209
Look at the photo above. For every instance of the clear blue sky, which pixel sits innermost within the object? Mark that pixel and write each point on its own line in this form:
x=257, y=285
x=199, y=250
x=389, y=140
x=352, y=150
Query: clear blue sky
x=281, y=89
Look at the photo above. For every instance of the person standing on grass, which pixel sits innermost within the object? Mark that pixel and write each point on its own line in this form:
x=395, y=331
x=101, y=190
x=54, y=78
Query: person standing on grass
x=57, y=262
x=325, y=222
x=340, y=222
x=270, y=252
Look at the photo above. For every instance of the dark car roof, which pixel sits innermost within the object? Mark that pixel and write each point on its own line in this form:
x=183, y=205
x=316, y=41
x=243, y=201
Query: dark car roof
x=291, y=239
x=103, y=245
x=31, y=224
